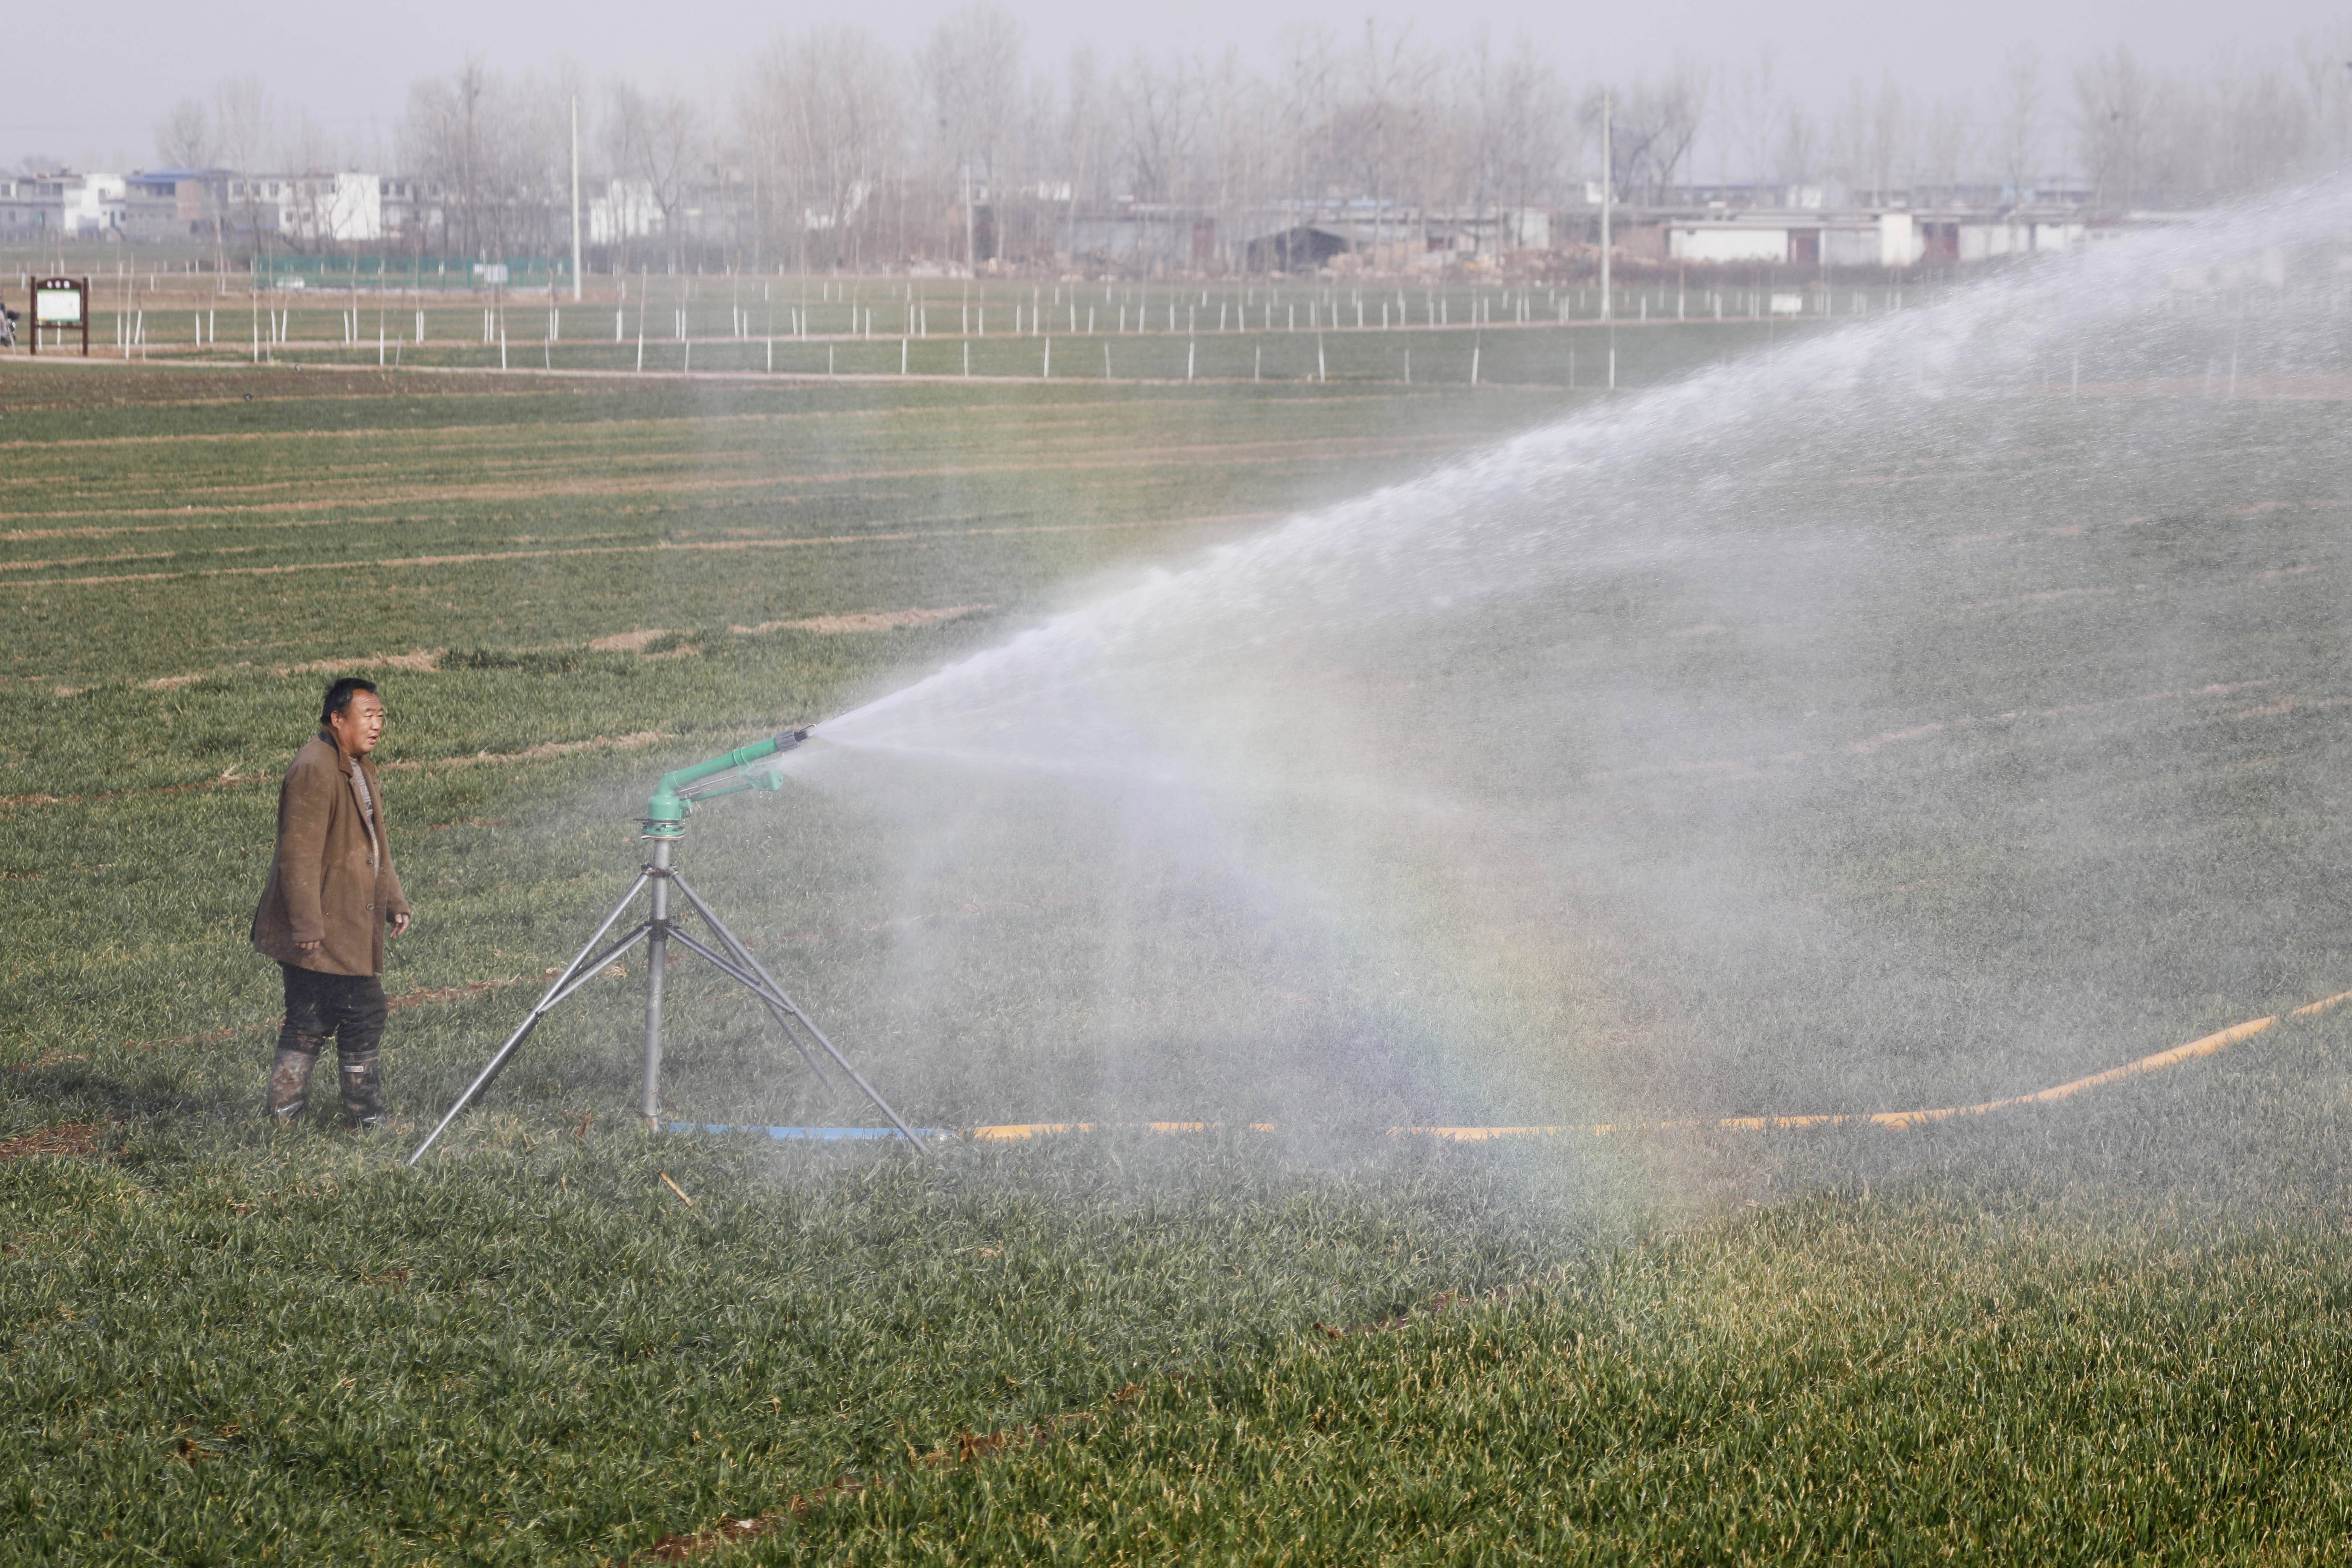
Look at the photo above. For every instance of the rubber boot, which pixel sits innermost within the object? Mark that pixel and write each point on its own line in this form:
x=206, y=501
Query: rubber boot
x=290, y=1083
x=362, y=1081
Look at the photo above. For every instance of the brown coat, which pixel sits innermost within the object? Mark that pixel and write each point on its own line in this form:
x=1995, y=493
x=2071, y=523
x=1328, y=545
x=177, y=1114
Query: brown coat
x=326, y=882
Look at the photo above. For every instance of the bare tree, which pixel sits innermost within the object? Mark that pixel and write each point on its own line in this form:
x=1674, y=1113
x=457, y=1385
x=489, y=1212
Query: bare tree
x=1238, y=127
x=1946, y=149
x=1477, y=139
x=1308, y=95
x=830, y=101
x=2263, y=130
x=1531, y=125
x=1655, y=125
x=1856, y=145
x=2112, y=98
x=1161, y=127
x=764, y=134
x=1754, y=110
x=2018, y=139
x=185, y=139
x=1891, y=143
x=655, y=138
x=970, y=69
x=1085, y=162
x=537, y=165
x=2326, y=60
x=451, y=136
x=306, y=146
x=1798, y=159
x=241, y=119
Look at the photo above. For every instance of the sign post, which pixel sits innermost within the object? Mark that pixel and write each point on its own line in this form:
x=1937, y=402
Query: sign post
x=62, y=304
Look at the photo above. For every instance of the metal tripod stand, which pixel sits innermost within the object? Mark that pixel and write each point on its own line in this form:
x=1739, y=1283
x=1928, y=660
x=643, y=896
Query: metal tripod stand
x=665, y=825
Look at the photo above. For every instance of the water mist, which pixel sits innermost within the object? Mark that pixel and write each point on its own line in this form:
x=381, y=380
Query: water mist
x=1857, y=725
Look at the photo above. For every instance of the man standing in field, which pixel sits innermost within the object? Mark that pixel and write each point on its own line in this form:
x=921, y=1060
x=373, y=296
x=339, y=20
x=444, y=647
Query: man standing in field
x=332, y=896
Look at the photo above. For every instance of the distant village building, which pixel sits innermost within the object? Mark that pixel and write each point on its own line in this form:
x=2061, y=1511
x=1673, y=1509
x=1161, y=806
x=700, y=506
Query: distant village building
x=31, y=208
x=413, y=211
x=160, y=204
x=722, y=213
x=93, y=206
x=1289, y=237
x=344, y=208
x=1780, y=239
x=625, y=210
x=62, y=205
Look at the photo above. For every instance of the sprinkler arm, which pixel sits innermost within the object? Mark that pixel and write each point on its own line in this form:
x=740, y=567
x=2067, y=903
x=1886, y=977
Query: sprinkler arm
x=676, y=795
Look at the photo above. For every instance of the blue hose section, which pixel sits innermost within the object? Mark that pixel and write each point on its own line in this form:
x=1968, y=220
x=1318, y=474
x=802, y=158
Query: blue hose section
x=814, y=1134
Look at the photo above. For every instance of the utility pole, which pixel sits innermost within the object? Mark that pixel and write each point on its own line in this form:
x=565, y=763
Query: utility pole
x=970, y=262
x=576, y=282
x=1607, y=182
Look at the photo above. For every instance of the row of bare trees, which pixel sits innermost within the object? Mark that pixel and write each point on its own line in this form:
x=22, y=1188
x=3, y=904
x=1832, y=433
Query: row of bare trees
x=2149, y=138
x=832, y=148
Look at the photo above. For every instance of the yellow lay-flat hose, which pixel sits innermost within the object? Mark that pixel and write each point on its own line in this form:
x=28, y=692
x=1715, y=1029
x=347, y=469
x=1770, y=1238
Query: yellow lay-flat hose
x=2220, y=1040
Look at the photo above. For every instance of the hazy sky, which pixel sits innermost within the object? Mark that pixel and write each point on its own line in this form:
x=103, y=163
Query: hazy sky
x=350, y=68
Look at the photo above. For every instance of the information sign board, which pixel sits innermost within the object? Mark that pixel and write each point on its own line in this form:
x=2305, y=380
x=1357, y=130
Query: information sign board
x=61, y=305
x=59, y=301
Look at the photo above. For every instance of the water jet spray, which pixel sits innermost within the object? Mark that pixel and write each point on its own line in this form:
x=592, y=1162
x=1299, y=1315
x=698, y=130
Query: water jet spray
x=662, y=826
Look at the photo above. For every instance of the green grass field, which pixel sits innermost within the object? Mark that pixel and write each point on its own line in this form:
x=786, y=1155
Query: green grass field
x=2110, y=1329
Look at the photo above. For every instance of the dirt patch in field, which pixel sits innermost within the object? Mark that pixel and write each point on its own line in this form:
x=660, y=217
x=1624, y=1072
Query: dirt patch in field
x=233, y=780
x=1254, y=453
x=545, y=748
x=74, y=385
x=862, y=621
x=427, y=661
x=88, y=560
x=420, y=661
x=628, y=642
x=468, y=991
x=70, y=1140
x=731, y=1532
x=2067, y=711
x=679, y=548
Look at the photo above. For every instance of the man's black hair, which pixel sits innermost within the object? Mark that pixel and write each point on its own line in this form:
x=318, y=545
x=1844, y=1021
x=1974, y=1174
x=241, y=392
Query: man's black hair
x=339, y=696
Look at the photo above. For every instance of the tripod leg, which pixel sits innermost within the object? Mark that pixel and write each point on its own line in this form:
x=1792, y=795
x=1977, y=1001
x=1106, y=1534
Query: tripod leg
x=562, y=987
x=657, y=968
x=488, y=1075
x=766, y=990
x=744, y=957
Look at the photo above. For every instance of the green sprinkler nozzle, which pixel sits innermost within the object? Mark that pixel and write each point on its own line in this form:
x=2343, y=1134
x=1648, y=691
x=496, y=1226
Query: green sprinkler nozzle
x=674, y=797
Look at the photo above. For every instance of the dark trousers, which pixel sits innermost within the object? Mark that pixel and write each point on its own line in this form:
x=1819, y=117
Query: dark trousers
x=349, y=1008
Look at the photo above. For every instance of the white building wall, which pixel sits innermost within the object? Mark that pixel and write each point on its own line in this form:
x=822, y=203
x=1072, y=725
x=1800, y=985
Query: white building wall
x=1987, y=241
x=626, y=211
x=2017, y=237
x=354, y=207
x=1888, y=239
x=1850, y=246
x=93, y=205
x=344, y=207
x=1899, y=239
x=1726, y=243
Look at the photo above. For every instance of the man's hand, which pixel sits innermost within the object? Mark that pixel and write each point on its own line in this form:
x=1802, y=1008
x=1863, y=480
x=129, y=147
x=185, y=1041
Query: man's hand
x=400, y=923
x=306, y=947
